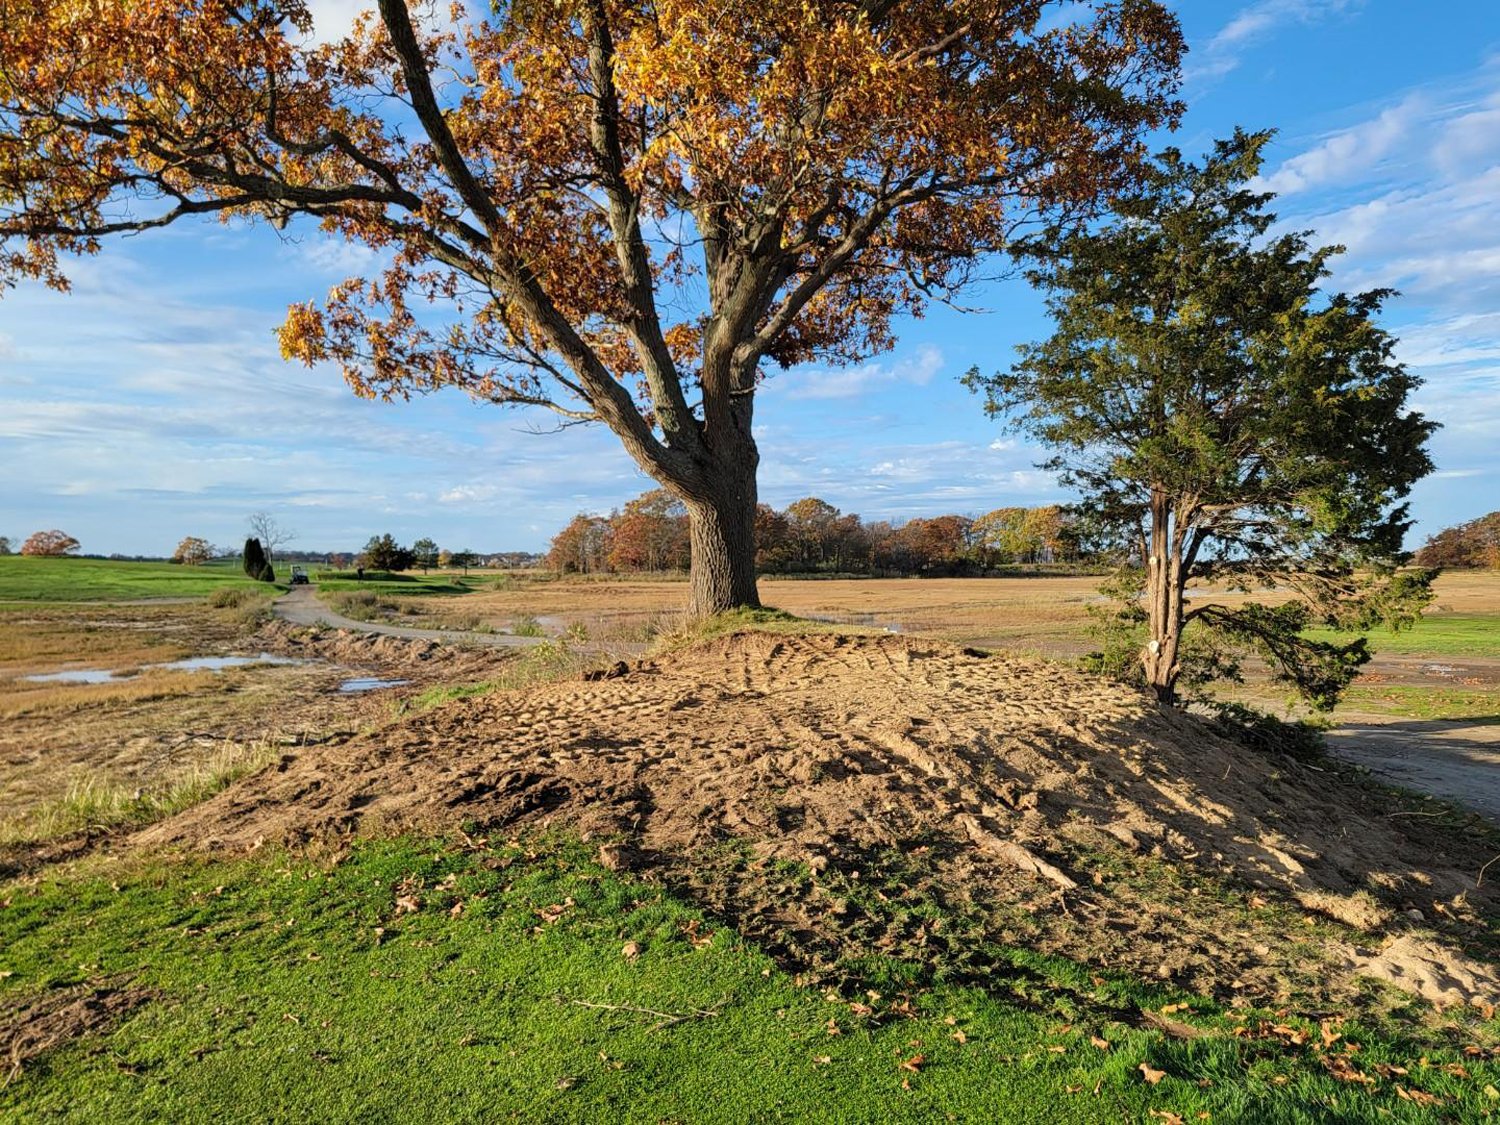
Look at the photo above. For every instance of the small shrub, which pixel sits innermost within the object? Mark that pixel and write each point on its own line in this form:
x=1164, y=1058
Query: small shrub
x=525, y=625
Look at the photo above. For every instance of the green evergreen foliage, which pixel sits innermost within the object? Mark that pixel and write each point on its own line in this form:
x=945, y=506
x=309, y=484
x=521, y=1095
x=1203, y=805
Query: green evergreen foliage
x=1224, y=421
x=257, y=566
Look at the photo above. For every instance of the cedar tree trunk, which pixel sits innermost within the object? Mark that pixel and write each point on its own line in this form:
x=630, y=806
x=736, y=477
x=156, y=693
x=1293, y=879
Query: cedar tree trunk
x=1165, y=578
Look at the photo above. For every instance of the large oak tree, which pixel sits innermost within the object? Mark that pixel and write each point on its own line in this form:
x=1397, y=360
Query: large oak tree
x=623, y=212
x=1224, y=420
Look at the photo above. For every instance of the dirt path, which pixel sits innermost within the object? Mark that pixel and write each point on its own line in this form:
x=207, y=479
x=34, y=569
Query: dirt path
x=301, y=606
x=1458, y=759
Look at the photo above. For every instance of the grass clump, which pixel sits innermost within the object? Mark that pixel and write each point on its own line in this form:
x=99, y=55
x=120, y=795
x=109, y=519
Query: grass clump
x=762, y=619
x=525, y=982
x=526, y=625
x=546, y=663
x=93, y=804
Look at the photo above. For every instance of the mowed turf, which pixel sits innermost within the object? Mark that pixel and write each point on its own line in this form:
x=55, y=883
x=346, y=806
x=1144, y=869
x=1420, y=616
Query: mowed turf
x=412, y=982
x=29, y=579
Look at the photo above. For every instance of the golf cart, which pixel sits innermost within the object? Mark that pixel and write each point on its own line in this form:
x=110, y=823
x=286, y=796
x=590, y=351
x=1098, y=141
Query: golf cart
x=299, y=576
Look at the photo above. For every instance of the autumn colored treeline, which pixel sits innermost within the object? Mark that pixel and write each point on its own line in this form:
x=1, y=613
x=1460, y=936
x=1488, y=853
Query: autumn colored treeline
x=1472, y=544
x=811, y=536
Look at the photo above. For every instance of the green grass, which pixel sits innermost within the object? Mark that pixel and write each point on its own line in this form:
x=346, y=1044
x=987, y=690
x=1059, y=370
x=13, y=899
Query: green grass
x=1437, y=635
x=405, y=584
x=409, y=980
x=1433, y=703
x=28, y=579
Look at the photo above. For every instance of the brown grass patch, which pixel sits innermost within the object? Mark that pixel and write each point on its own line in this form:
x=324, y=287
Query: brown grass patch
x=21, y=697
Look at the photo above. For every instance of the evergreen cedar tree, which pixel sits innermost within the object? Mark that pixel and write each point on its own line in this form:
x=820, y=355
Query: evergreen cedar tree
x=424, y=553
x=1223, y=421
x=382, y=552
x=624, y=212
x=257, y=566
x=50, y=544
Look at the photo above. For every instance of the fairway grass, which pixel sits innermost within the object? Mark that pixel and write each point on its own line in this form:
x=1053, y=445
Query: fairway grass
x=29, y=579
x=408, y=981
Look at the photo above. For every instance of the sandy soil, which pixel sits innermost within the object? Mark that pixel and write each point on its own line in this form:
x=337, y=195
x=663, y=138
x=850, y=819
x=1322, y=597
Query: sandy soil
x=1027, y=787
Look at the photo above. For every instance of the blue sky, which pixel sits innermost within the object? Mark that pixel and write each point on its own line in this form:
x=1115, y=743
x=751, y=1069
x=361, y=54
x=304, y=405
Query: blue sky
x=151, y=403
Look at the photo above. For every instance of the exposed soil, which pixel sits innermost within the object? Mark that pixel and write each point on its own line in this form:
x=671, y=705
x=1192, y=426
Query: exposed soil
x=141, y=735
x=56, y=1018
x=1038, y=799
x=300, y=606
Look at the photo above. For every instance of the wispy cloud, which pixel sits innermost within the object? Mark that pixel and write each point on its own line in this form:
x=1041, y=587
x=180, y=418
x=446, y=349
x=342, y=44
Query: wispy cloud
x=1345, y=155
x=917, y=369
x=1253, y=25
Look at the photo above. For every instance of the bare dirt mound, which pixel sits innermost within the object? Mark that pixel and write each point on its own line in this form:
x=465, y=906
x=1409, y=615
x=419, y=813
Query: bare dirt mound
x=1028, y=784
x=54, y=1019
x=427, y=659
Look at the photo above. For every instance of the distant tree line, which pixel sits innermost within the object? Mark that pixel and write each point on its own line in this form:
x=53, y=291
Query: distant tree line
x=811, y=536
x=1469, y=545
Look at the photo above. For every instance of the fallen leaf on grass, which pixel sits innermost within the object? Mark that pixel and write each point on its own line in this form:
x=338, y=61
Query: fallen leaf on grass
x=690, y=931
x=1058, y=1049
x=1345, y=1071
x=550, y=914
x=1150, y=1075
x=1329, y=1035
x=630, y=950
x=1168, y=1117
x=1419, y=1097
x=1168, y=1009
x=822, y=1060
x=959, y=1037
x=1386, y=1070
x=914, y=1064
x=1290, y=1034
x=832, y=1027
x=1100, y=1042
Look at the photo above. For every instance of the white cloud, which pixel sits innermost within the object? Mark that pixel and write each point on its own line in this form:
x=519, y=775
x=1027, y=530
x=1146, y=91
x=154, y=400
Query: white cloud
x=1345, y=154
x=1254, y=24
x=917, y=370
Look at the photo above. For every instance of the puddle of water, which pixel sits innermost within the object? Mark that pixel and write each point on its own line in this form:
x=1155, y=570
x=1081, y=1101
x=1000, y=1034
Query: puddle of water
x=81, y=676
x=192, y=664
x=368, y=683
x=218, y=663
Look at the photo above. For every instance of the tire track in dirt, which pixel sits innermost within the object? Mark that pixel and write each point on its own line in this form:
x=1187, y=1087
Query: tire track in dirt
x=1019, y=777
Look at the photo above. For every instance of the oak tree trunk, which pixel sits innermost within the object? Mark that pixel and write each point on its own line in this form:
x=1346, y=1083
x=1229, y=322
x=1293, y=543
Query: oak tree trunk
x=722, y=531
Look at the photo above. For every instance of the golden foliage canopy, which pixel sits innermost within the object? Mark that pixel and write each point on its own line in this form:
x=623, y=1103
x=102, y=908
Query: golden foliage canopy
x=620, y=210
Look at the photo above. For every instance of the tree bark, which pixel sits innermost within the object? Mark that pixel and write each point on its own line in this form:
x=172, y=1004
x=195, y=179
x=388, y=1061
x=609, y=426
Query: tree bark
x=721, y=525
x=1164, y=589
